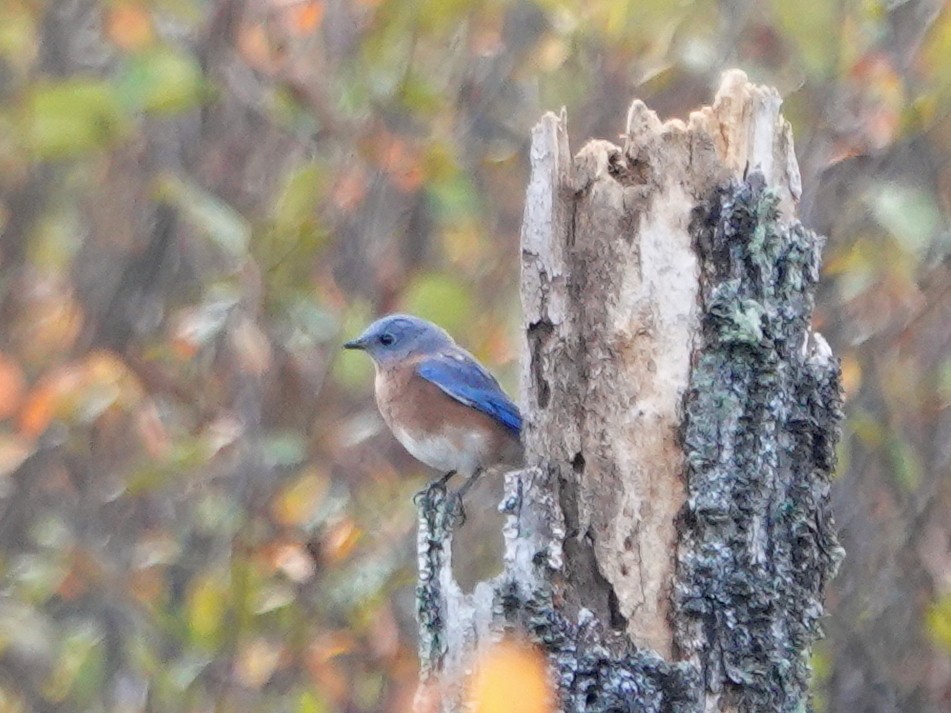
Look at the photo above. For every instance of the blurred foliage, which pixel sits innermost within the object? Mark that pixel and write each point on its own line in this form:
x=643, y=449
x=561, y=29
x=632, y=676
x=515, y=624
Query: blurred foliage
x=199, y=509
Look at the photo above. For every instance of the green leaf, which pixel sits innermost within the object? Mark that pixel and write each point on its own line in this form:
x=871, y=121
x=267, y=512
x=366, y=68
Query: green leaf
x=908, y=214
x=419, y=94
x=306, y=324
x=297, y=197
x=161, y=81
x=79, y=665
x=350, y=369
x=34, y=578
x=442, y=299
x=454, y=198
x=289, y=245
x=67, y=118
x=212, y=216
x=814, y=27
x=283, y=449
x=310, y=701
x=905, y=463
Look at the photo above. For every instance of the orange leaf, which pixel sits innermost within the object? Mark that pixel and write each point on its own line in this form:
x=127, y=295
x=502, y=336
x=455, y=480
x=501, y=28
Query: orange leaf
x=306, y=18
x=340, y=541
x=331, y=679
x=12, y=386
x=512, y=677
x=129, y=26
x=255, y=48
x=330, y=645
x=147, y=585
x=73, y=585
x=52, y=321
x=325, y=670
x=404, y=165
x=43, y=403
x=349, y=190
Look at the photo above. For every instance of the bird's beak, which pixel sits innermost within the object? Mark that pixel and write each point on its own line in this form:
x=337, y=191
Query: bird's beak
x=359, y=343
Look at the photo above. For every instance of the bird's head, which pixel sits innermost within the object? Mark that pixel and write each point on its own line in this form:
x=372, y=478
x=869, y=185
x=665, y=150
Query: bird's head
x=395, y=337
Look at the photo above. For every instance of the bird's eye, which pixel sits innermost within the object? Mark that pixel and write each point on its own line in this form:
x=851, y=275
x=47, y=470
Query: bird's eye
x=387, y=339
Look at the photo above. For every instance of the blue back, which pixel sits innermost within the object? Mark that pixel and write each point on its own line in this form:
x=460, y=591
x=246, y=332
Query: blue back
x=463, y=378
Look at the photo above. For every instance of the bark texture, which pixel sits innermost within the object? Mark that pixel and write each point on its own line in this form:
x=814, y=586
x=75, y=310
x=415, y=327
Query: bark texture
x=669, y=540
x=757, y=542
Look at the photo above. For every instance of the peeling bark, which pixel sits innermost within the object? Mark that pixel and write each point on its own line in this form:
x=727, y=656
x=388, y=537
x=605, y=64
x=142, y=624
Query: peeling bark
x=670, y=538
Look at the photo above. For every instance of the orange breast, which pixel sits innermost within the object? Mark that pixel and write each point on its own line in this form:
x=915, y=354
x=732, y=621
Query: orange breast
x=438, y=430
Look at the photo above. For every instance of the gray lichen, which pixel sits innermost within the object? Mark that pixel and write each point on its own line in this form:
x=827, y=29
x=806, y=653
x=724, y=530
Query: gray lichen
x=600, y=671
x=761, y=423
x=433, y=545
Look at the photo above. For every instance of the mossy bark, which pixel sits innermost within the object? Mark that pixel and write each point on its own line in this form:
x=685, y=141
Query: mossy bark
x=668, y=543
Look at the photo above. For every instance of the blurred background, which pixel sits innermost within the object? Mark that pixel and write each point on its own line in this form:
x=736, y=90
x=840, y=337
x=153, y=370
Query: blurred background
x=199, y=199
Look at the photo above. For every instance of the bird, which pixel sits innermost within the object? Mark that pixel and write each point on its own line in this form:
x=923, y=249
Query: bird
x=440, y=403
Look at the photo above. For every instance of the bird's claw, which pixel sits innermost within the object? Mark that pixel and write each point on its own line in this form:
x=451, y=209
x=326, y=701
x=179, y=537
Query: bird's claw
x=437, y=486
x=456, y=510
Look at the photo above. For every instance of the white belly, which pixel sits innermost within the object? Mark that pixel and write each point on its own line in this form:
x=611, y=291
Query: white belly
x=444, y=453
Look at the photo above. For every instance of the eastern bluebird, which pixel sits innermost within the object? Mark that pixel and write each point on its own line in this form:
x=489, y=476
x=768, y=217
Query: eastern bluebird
x=439, y=402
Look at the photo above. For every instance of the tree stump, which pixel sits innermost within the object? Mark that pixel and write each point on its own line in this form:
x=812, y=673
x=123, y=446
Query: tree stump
x=669, y=540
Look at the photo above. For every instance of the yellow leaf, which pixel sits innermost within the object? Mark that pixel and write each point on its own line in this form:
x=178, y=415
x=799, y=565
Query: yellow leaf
x=18, y=41
x=851, y=375
x=297, y=502
x=207, y=603
x=939, y=622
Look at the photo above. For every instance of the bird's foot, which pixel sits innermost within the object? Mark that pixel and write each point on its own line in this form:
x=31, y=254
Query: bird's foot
x=437, y=486
x=459, y=510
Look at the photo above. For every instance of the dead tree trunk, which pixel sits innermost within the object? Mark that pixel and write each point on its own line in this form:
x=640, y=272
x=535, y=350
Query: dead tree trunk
x=669, y=541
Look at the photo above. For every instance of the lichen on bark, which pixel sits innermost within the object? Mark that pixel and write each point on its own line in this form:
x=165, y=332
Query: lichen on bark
x=762, y=415
x=594, y=669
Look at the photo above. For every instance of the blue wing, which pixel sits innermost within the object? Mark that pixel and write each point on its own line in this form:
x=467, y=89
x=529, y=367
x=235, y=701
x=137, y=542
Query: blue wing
x=463, y=378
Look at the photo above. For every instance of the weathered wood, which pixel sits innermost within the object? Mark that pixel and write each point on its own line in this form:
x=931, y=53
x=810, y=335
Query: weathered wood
x=670, y=538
